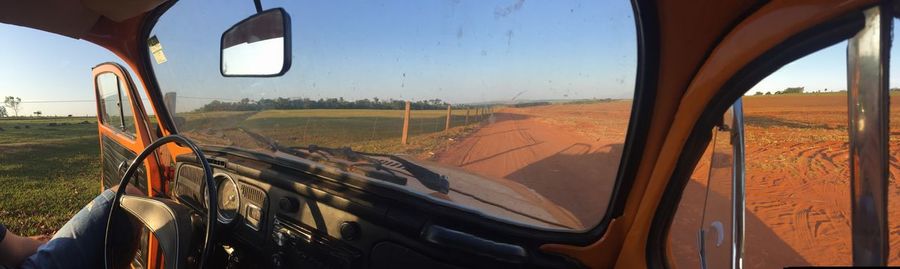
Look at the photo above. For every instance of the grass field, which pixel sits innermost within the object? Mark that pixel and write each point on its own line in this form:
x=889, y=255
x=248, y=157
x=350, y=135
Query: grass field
x=376, y=131
x=47, y=173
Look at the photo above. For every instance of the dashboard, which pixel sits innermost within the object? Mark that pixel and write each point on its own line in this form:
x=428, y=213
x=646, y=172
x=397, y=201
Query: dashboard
x=278, y=217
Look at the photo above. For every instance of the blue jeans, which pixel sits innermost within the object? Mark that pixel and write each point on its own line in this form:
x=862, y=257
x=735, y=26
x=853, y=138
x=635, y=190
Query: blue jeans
x=79, y=243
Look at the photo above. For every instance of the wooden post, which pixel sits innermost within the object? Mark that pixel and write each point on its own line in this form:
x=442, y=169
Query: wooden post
x=447, y=125
x=169, y=99
x=467, y=117
x=405, y=124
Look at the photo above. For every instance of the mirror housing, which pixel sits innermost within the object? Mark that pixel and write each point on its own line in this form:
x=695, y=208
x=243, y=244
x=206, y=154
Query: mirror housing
x=258, y=46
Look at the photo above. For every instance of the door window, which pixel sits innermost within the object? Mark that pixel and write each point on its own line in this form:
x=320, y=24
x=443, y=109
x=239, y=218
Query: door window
x=797, y=175
x=115, y=109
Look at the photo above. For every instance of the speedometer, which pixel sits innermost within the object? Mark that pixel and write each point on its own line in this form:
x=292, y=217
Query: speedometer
x=229, y=200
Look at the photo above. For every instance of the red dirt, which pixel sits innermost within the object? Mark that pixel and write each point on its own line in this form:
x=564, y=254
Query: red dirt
x=554, y=150
x=797, y=173
x=798, y=199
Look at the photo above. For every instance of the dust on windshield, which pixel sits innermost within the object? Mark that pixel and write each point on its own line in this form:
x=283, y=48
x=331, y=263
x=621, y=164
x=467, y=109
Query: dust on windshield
x=522, y=107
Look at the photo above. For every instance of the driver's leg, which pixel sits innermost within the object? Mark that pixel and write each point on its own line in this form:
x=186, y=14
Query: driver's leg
x=79, y=243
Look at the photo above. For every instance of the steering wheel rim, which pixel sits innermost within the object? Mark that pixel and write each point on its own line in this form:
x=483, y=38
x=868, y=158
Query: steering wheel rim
x=211, y=195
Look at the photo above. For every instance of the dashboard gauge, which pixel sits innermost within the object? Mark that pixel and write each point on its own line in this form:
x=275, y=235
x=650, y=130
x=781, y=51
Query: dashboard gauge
x=229, y=200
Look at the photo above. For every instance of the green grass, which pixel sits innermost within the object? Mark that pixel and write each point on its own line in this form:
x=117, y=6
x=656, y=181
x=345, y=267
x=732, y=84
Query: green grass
x=47, y=173
x=376, y=131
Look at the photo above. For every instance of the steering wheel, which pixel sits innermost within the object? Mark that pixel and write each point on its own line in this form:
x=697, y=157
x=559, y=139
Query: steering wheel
x=169, y=220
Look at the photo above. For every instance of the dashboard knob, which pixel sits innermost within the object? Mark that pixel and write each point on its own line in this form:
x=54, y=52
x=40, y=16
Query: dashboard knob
x=350, y=230
x=280, y=239
x=288, y=204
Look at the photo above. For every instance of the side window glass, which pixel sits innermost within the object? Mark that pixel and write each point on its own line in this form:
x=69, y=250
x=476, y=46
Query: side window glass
x=715, y=232
x=127, y=112
x=116, y=107
x=894, y=149
x=797, y=174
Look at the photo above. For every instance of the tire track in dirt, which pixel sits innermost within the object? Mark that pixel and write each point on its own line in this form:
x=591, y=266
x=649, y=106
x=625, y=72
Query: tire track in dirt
x=553, y=160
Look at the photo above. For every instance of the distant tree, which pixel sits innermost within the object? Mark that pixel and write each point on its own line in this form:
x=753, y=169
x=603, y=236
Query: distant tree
x=329, y=103
x=793, y=90
x=13, y=103
x=38, y=113
x=757, y=93
x=3, y=112
x=768, y=93
x=70, y=115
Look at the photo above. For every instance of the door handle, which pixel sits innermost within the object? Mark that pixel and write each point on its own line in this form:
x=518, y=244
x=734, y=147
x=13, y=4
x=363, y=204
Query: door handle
x=122, y=167
x=719, y=228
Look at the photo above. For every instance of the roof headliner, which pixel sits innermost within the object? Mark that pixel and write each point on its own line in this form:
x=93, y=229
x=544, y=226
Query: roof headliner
x=72, y=18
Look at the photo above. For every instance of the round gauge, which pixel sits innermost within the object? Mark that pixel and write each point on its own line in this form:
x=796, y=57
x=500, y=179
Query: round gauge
x=229, y=200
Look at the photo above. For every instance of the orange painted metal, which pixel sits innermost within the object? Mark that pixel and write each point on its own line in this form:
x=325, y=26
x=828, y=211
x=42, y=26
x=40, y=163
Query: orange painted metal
x=142, y=140
x=679, y=104
x=700, y=50
x=121, y=39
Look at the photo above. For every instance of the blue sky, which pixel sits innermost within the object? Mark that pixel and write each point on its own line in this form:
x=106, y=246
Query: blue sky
x=456, y=50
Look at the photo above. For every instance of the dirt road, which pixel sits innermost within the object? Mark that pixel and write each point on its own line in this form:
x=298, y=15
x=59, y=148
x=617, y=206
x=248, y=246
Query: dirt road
x=546, y=150
x=798, y=189
x=798, y=200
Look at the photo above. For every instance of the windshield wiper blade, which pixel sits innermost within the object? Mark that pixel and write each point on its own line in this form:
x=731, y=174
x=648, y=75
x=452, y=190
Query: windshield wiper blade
x=425, y=176
x=430, y=179
x=380, y=173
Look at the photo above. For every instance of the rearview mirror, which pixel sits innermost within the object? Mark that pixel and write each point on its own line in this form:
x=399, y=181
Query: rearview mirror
x=258, y=46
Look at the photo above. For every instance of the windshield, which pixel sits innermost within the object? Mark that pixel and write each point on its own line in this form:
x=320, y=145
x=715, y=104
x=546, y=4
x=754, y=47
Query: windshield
x=516, y=110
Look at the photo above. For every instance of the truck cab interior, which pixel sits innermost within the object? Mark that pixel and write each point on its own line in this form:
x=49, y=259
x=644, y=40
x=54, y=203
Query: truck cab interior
x=228, y=186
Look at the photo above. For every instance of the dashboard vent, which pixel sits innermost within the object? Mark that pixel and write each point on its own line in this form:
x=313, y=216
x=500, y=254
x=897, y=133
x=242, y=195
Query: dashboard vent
x=216, y=162
x=189, y=184
x=191, y=175
x=254, y=195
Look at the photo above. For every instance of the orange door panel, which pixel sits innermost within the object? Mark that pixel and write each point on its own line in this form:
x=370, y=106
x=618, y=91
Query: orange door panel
x=123, y=131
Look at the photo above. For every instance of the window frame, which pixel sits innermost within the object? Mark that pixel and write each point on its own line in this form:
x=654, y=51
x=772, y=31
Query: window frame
x=121, y=128
x=644, y=96
x=797, y=46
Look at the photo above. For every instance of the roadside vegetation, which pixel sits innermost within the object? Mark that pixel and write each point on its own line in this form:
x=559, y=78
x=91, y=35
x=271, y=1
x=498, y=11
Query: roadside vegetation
x=365, y=130
x=49, y=169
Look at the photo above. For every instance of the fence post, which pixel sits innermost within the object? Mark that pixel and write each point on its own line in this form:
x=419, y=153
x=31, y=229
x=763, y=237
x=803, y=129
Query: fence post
x=405, y=124
x=467, y=117
x=447, y=125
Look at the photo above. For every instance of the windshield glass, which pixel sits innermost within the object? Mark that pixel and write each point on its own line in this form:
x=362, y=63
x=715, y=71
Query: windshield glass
x=516, y=110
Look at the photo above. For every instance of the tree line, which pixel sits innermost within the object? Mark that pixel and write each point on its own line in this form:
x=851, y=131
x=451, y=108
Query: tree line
x=323, y=103
x=795, y=90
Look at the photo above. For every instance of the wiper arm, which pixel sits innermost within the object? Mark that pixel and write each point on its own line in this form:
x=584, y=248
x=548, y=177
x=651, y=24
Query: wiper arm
x=381, y=172
x=430, y=179
x=425, y=176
